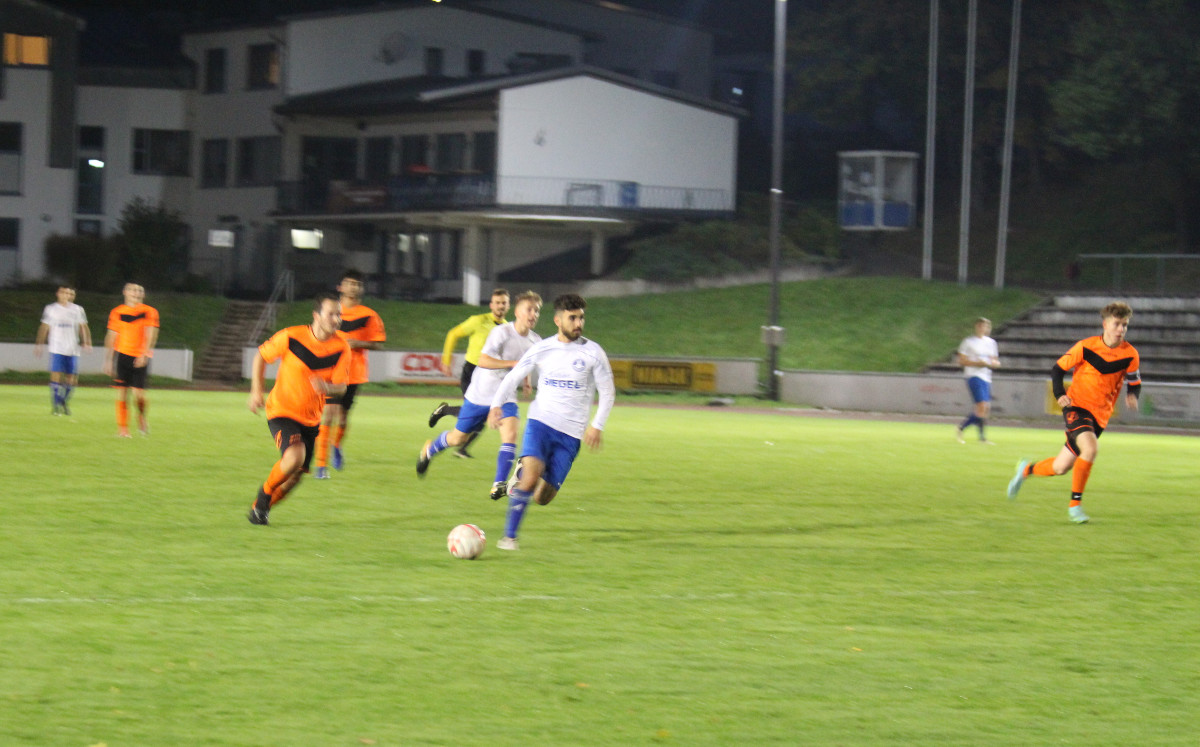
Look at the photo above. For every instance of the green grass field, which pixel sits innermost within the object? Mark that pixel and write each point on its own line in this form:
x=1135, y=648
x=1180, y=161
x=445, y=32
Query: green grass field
x=709, y=578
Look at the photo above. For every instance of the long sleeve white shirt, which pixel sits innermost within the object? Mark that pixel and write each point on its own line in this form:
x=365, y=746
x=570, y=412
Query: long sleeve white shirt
x=569, y=374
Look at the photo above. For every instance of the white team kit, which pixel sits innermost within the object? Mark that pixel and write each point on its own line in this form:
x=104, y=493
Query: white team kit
x=63, y=322
x=503, y=343
x=978, y=348
x=569, y=374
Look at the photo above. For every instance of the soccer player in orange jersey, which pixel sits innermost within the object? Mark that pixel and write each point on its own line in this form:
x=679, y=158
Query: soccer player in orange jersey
x=314, y=362
x=363, y=330
x=1098, y=366
x=128, y=348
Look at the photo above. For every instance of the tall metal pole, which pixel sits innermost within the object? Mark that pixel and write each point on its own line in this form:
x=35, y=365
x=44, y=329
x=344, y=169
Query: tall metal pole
x=964, y=217
x=930, y=139
x=1010, y=116
x=772, y=334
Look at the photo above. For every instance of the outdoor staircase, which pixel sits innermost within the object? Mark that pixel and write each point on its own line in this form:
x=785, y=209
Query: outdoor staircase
x=222, y=358
x=1165, y=331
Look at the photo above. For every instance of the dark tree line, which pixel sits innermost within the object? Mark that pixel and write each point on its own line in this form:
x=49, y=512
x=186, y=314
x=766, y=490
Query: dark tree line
x=1100, y=82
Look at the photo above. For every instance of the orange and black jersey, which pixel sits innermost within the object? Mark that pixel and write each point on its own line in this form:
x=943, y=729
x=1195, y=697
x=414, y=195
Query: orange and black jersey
x=1097, y=372
x=130, y=324
x=302, y=356
x=360, y=323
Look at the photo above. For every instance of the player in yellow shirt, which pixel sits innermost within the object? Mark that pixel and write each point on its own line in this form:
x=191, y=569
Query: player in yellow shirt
x=128, y=348
x=314, y=362
x=362, y=328
x=475, y=329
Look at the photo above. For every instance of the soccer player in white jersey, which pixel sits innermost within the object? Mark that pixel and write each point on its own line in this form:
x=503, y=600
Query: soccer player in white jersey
x=504, y=346
x=64, y=325
x=978, y=355
x=570, y=370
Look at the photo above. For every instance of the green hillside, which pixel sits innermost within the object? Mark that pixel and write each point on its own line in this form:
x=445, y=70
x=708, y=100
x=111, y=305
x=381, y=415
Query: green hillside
x=852, y=324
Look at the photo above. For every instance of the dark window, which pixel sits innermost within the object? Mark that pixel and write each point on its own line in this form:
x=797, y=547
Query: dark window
x=475, y=62
x=434, y=60
x=483, y=159
x=91, y=138
x=214, y=71
x=161, y=152
x=378, y=166
x=262, y=66
x=452, y=152
x=10, y=157
x=89, y=188
x=258, y=161
x=665, y=78
x=214, y=163
x=414, y=154
x=10, y=233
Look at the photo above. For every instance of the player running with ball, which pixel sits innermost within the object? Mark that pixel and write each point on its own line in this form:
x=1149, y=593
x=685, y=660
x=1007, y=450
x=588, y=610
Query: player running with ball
x=570, y=370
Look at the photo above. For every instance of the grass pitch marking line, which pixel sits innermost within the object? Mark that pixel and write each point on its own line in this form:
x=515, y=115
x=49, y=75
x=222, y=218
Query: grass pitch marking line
x=186, y=600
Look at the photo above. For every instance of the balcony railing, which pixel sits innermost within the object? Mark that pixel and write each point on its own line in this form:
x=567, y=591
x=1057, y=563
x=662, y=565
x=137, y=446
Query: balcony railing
x=465, y=191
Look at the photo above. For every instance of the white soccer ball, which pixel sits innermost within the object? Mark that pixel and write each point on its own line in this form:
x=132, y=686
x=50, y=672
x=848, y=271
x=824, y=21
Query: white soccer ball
x=466, y=541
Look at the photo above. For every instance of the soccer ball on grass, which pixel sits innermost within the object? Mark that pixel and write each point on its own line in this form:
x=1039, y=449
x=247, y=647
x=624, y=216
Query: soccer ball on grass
x=466, y=541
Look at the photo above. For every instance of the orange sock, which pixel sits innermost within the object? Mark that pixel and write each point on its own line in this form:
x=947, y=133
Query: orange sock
x=274, y=480
x=1044, y=468
x=1079, y=476
x=322, y=448
x=336, y=436
x=122, y=413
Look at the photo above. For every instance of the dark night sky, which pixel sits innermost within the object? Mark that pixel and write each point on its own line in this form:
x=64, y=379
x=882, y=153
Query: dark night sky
x=740, y=26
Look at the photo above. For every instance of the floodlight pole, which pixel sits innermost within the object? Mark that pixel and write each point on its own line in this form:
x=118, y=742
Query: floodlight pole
x=930, y=143
x=964, y=219
x=772, y=332
x=1010, y=113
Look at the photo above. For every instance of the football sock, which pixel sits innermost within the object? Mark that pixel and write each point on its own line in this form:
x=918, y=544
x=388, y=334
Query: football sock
x=1079, y=477
x=438, y=444
x=971, y=420
x=67, y=390
x=517, y=501
x=275, y=479
x=321, y=452
x=335, y=434
x=55, y=398
x=982, y=425
x=122, y=413
x=1076, y=499
x=1044, y=468
x=504, y=461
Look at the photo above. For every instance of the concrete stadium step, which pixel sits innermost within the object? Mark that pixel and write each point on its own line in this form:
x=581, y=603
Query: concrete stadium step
x=1165, y=330
x=222, y=357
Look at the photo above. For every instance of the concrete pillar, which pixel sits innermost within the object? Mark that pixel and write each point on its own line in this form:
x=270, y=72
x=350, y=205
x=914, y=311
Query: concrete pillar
x=597, y=252
x=472, y=265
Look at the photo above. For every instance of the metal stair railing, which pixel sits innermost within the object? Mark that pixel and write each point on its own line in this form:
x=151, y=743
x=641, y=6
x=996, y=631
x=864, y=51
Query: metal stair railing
x=285, y=285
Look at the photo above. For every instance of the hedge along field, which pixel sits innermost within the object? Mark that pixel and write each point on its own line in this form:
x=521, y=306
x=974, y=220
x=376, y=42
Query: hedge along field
x=709, y=578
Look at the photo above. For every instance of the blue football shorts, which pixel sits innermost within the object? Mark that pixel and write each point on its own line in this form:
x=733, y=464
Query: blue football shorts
x=981, y=390
x=556, y=449
x=473, y=417
x=64, y=364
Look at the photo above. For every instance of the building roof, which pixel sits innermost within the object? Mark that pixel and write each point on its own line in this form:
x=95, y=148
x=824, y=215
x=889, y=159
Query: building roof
x=425, y=93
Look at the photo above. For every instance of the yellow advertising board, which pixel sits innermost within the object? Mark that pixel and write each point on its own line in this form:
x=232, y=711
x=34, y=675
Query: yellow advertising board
x=680, y=376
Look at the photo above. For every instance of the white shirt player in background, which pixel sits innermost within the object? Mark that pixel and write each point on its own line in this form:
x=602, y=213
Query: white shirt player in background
x=504, y=346
x=570, y=370
x=978, y=355
x=64, y=330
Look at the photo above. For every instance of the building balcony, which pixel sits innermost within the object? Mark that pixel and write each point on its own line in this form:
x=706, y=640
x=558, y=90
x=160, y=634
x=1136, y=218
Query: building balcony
x=470, y=191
